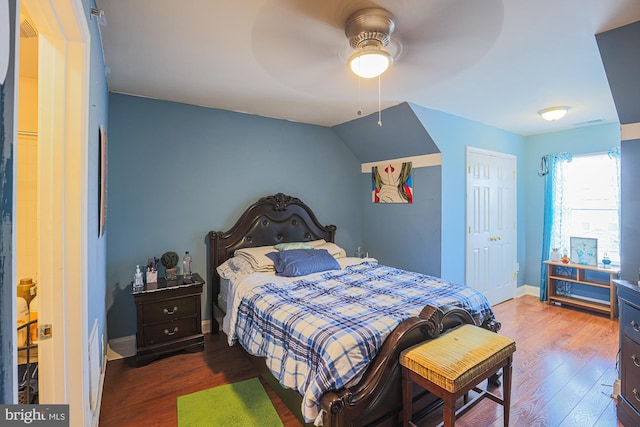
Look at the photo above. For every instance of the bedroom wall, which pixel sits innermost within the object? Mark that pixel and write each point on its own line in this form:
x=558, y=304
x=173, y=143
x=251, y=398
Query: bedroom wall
x=177, y=171
x=621, y=60
x=402, y=235
x=630, y=206
x=589, y=139
x=452, y=134
x=96, y=247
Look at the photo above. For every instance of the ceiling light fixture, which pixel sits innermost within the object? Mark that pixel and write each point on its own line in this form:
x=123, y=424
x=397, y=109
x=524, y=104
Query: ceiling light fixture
x=553, y=113
x=369, y=31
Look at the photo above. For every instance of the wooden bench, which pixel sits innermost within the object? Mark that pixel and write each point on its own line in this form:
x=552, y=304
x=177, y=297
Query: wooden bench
x=455, y=363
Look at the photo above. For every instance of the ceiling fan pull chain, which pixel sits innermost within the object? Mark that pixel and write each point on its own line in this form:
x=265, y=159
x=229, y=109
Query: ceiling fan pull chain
x=379, y=103
x=359, y=112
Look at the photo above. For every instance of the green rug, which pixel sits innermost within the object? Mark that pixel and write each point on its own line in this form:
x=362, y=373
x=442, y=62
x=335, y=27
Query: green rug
x=241, y=404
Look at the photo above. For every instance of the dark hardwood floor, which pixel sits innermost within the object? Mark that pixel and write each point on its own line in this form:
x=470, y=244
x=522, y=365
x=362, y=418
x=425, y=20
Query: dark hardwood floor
x=563, y=374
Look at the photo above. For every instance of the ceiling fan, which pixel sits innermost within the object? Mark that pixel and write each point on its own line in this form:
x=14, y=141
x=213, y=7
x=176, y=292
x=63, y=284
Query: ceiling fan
x=307, y=45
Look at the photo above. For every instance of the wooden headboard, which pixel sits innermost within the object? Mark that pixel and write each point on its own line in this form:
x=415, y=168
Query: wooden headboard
x=271, y=220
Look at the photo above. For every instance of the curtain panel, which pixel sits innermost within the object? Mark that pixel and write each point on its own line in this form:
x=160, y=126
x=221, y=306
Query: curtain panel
x=551, y=168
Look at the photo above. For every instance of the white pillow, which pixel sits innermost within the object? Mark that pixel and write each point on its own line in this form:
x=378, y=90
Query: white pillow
x=257, y=257
x=319, y=242
x=234, y=268
x=333, y=249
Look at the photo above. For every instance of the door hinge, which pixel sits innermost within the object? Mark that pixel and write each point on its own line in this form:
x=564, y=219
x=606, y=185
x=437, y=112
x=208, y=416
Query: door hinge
x=468, y=169
x=45, y=332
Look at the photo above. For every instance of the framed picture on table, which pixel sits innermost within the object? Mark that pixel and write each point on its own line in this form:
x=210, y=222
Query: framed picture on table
x=584, y=250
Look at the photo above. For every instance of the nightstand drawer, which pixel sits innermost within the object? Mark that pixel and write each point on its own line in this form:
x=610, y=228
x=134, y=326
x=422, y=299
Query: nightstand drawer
x=169, y=331
x=630, y=322
x=169, y=309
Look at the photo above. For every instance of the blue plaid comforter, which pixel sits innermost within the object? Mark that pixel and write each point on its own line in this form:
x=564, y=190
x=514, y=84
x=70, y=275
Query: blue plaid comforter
x=319, y=332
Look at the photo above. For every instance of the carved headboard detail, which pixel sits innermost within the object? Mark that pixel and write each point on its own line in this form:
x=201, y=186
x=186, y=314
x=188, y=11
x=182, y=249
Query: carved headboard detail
x=271, y=220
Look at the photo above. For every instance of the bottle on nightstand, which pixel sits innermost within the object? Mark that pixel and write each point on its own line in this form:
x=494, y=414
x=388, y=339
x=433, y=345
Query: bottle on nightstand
x=186, y=266
x=138, y=281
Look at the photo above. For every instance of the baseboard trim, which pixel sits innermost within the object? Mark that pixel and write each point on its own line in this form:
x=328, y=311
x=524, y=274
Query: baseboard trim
x=206, y=326
x=527, y=290
x=119, y=348
x=96, y=412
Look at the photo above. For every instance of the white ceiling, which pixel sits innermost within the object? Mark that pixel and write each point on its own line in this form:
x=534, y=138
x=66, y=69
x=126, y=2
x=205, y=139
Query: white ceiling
x=493, y=61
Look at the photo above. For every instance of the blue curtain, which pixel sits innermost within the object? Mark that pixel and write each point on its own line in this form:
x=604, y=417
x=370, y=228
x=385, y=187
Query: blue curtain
x=550, y=170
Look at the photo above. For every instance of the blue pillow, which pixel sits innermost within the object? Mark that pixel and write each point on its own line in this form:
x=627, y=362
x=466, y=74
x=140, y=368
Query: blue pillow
x=299, y=262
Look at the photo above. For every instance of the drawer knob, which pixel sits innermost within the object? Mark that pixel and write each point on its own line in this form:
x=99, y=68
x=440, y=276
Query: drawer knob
x=635, y=326
x=168, y=332
x=635, y=394
x=635, y=360
x=166, y=311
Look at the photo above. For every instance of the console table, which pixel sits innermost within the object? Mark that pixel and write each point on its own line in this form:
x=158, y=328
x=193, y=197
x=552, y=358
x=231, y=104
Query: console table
x=589, y=275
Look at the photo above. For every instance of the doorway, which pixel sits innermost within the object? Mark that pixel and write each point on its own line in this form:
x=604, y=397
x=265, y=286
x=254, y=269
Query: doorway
x=62, y=123
x=491, y=249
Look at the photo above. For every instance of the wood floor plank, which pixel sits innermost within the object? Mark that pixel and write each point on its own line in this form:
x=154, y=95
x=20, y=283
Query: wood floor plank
x=563, y=358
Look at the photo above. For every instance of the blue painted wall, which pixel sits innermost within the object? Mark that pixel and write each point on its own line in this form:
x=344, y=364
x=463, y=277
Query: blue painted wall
x=7, y=299
x=591, y=139
x=402, y=235
x=453, y=134
x=177, y=171
x=96, y=247
x=630, y=206
x=401, y=135
x=621, y=59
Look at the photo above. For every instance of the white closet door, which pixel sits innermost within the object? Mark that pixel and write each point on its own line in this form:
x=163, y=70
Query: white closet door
x=491, y=224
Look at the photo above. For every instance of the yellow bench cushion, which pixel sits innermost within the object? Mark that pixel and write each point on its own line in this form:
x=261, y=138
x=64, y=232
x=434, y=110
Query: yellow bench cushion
x=454, y=359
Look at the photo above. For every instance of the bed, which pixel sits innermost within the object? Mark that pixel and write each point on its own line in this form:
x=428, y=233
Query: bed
x=364, y=390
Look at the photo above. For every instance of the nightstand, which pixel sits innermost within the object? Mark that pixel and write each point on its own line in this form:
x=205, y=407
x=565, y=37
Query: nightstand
x=169, y=318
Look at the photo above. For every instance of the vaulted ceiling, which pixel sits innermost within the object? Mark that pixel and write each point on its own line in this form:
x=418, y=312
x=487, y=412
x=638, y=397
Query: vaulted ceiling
x=493, y=61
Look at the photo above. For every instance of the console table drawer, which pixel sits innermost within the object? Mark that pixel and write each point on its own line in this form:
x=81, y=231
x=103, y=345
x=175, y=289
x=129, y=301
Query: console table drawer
x=169, y=309
x=169, y=331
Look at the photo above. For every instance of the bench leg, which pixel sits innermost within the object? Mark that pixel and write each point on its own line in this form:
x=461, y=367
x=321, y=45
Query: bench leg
x=449, y=410
x=506, y=391
x=407, y=398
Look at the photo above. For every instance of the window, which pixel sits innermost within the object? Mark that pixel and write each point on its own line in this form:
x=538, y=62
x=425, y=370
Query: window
x=587, y=200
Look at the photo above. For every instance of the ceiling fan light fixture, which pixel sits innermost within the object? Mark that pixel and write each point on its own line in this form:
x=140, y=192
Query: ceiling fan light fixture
x=553, y=113
x=369, y=31
x=368, y=63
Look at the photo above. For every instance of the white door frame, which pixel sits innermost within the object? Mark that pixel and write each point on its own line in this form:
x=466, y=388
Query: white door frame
x=469, y=149
x=63, y=104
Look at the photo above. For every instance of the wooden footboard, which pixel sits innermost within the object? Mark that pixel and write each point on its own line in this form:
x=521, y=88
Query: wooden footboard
x=377, y=398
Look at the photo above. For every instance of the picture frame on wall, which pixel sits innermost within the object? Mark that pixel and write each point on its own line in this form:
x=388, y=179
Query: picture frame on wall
x=584, y=250
x=102, y=181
